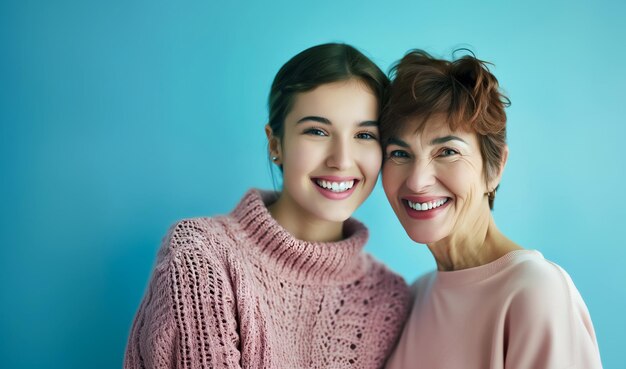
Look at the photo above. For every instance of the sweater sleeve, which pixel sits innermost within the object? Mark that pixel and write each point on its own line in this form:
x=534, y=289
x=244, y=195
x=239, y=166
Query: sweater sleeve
x=187, y=318
x=549, y=326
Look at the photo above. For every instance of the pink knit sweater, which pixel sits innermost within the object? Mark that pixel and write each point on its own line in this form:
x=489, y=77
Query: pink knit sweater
x=239, y=291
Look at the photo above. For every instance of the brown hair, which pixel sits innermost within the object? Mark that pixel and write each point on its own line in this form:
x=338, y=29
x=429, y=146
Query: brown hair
x=318, y=65
x=463, y=90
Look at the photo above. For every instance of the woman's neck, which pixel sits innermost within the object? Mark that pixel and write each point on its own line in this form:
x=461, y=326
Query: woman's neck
x=477, y=245
x=304, y=226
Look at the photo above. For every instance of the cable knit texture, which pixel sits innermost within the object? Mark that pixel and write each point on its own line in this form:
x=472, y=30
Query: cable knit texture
x=238, y=291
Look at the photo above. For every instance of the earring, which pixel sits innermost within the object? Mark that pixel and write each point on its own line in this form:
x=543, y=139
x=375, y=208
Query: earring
x=274, y=158
x=491, y=195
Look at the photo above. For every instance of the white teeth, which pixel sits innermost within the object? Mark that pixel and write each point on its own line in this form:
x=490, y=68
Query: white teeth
x=427, y=205
x=335, y=186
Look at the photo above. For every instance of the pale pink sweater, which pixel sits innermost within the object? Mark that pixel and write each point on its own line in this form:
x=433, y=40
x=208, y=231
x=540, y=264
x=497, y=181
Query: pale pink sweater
x=239, y=291
x=518, y=312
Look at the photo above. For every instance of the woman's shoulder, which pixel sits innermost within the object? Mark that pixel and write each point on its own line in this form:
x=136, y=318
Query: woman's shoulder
x=385, y=280
x=378, y=270
x=385, y=294
x=540, y=286
x=531, y=271
x=207, y=238
x=546, y=308
x=188, y=231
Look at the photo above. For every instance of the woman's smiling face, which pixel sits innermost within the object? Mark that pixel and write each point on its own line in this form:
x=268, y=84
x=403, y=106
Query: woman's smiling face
x=330, y=152
x=434, y=181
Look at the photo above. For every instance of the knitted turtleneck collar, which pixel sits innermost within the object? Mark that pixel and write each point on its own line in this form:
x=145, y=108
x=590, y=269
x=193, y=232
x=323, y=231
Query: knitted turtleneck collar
x=296, y=260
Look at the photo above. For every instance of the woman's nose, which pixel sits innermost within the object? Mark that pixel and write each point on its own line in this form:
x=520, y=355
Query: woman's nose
x=340, y=156
x=421, y=176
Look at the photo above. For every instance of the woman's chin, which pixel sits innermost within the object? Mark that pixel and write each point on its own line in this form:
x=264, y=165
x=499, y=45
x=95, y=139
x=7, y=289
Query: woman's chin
x=423, y=237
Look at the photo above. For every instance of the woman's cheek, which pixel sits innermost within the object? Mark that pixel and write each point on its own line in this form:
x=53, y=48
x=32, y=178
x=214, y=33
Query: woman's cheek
x=372, y=157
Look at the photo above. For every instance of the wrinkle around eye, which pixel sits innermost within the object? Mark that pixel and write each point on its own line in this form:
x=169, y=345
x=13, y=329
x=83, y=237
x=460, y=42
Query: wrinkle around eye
x=448, y=152
x=398, y=156
x=397, y=153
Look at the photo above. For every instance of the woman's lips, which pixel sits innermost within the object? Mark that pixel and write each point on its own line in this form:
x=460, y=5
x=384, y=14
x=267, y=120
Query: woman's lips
x=425, y=207
x=335, y=188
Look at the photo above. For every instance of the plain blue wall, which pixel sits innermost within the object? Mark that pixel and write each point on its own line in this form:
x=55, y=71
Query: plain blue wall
x=119, y=117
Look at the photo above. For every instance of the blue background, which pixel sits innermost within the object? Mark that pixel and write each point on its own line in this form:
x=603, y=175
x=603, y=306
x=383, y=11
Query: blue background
x=120, y=117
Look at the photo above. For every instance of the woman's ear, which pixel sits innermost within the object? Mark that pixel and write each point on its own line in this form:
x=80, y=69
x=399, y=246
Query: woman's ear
x=495, y=181
x=274, y=147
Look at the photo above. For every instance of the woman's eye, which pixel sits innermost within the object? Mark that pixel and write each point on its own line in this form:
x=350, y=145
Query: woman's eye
x=448, y=152
x=315, y=132
x=399, y=156
x=365, y=136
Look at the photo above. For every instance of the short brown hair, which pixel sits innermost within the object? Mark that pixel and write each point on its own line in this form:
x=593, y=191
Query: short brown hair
x=463, y=90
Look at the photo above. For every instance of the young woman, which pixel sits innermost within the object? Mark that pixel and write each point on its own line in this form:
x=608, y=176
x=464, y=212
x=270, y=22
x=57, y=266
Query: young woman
x=491, y=304
x=282, y=281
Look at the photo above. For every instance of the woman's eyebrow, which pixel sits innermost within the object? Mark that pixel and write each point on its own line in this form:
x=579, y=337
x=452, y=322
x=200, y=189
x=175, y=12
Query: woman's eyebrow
x=440, y=140
x=314, y=118
x=397, y=141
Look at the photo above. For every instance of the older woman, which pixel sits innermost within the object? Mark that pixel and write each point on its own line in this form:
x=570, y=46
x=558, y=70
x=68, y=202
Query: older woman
x=490, y=303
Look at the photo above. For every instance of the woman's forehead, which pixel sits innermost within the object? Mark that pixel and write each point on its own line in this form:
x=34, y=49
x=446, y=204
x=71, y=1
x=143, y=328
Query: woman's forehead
x=435, y=126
